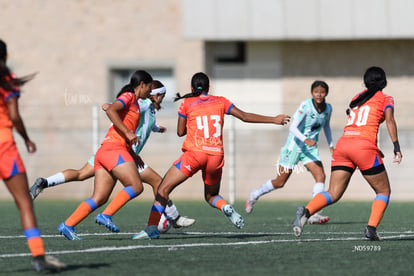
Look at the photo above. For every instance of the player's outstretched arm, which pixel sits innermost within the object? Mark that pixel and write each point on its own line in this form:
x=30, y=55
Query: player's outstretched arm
x=280, y=119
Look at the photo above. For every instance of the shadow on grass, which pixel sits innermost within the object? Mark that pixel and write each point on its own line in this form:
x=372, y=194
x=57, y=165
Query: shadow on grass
x=68, y=268
x=88, y=266
x=186, y=235
x=342, y=222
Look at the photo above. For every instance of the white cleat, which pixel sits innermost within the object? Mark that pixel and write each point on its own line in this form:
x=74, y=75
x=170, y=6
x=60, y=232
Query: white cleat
x=150, y=233
x=37, y=187
x=164, y=224
x=300, y=221
x=318, y=219
x=183, y=222
x=233, y=216
x=249, y=205
x=142, y=235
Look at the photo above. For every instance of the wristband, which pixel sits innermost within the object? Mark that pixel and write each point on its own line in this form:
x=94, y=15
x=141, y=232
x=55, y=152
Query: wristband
x=396, y=147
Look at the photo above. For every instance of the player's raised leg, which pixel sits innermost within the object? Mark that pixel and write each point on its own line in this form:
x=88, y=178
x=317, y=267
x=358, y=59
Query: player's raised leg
x=62, y=177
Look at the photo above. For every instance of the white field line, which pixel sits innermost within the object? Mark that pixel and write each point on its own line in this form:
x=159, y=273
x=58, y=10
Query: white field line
x=397, y=235
x=253, y=234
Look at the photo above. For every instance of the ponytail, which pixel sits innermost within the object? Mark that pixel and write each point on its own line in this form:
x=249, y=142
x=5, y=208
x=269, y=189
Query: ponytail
x=375, y=80
x=199, y=83
x=365, y=96
x=195, y=93
x=126, y=88
x=8, y=82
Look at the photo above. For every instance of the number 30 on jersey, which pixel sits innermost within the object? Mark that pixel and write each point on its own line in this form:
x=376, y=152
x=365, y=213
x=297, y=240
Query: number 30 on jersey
x=360, y=118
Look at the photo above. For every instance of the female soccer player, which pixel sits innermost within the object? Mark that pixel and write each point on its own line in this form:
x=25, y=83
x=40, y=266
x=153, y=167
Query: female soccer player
x=357, y=147
x=310, y=118
x=147, y=124
x=201, y=118
x=113, y=159
x=12, y=169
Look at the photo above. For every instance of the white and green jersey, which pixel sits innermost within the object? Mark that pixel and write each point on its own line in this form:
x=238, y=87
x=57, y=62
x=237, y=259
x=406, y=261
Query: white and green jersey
x=147, y=123
x=306, y=123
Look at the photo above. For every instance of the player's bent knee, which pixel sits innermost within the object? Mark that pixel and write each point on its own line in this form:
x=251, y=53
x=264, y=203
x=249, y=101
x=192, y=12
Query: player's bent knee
x=138, y=189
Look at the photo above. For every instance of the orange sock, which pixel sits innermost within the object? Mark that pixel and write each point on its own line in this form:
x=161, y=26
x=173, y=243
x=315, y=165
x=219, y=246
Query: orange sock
x=377, y=209
x=318, y=202
x=35, y=242
x=218, y=202
x=121, y=198
x=83, y=210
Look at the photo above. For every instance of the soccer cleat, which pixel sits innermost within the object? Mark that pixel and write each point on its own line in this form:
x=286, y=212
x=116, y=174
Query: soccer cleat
x=250, y=205
x=106, y=221
x=50, y=263
x=164, y=224
x=318, y=219
x=68, y=231
x=38, y=187
x=233, y=216
x=300, y=221
x=183, y=222
x=151, y=232
x=371, y=233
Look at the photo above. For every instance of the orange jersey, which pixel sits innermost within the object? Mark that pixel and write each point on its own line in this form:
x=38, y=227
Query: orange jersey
x=130, y=117
x=364, y=120
x=205, y=118
x=6, y=125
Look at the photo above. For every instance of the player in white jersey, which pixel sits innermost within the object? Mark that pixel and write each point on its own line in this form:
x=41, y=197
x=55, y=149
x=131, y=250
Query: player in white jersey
x=301, y=145
x=147, y=124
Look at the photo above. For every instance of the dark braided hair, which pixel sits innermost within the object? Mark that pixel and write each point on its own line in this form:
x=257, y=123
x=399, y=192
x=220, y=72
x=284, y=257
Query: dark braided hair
x=374, y=80
x=199, y=83
x=7, y=81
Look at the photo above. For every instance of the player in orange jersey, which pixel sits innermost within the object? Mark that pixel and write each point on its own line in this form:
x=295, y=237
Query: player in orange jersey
x=147, y=124
x=201, y=118
x=358, y=148
x=113, y=159
x=12, y=170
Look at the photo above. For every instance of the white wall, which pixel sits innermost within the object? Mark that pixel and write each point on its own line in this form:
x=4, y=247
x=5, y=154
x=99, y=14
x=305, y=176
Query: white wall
x=297, y=19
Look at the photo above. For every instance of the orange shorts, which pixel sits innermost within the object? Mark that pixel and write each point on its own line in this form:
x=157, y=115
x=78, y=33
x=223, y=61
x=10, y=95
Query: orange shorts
x=10, y=161
x=111, y=155
x=211, y=166
x=356, y=152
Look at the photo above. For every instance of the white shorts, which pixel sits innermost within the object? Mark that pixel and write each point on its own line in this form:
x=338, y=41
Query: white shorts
x=290, y=158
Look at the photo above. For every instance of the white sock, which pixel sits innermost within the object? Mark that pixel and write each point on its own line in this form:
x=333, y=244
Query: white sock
x=318, y=188
x=264, y=189
x=55, y=179
x=171, y=211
